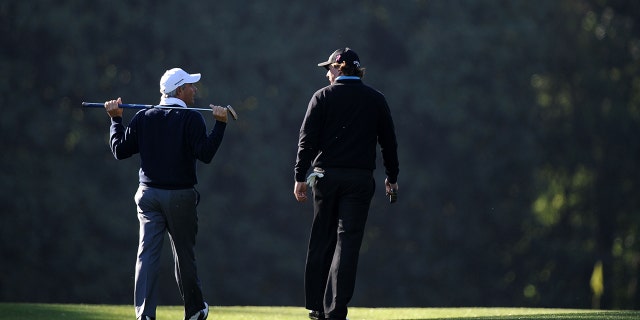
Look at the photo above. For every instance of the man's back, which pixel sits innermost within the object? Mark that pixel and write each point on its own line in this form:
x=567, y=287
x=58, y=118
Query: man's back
x=347, y=120
x=165, y=141
x=169, y=142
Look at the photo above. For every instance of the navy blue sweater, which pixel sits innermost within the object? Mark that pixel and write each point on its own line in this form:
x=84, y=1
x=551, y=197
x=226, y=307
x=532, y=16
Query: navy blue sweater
x=169, y=142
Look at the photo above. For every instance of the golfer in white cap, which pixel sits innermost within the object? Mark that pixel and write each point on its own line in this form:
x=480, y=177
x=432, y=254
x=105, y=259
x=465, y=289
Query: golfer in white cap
x=169, y=142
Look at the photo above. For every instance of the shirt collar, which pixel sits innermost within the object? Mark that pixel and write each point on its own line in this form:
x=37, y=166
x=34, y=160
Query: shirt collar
x=168, y=101
x=347, y=78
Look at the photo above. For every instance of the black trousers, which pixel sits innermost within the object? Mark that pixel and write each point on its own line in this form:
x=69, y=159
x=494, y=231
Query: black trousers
x=341, y=201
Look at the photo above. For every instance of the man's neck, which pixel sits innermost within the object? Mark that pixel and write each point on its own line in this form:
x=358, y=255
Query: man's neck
x=168, y=101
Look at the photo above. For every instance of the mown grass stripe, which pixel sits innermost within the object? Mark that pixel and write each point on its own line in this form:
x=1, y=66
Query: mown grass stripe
x=38, y=311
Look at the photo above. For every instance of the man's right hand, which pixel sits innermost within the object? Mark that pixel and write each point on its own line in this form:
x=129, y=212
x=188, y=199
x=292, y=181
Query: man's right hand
x=113, y=108
x=300, y=191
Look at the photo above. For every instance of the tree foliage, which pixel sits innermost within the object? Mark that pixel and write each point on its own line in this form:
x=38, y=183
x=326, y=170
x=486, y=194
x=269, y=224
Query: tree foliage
x=518, y=126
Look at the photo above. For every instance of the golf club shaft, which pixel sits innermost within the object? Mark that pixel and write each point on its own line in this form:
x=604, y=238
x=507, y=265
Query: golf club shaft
x=137, y=106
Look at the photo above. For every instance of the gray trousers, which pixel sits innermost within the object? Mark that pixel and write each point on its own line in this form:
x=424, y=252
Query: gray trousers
x=174, y=212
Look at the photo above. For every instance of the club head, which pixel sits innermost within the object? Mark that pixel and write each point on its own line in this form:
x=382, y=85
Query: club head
x=233, y=113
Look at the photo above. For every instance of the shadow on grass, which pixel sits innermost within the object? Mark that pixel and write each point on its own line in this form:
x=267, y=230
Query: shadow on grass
x=604, y=315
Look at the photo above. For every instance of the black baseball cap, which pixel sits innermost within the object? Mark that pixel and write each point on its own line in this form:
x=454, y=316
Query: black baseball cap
x=342, y=55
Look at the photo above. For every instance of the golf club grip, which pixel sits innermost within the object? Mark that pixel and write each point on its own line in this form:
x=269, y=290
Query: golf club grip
x=124, y=105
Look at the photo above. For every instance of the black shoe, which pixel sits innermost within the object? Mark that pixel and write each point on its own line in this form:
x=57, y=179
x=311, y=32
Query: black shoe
x=316, y=315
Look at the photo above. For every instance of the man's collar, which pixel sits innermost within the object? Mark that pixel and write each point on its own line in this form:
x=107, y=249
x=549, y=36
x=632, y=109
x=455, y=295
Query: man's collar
x=169, y=101
x=347, y=78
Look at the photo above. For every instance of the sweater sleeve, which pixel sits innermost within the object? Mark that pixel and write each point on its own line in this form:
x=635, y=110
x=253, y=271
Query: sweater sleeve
x=123, y=141
x=309, y=139
x=388, y=144
x=203, y=145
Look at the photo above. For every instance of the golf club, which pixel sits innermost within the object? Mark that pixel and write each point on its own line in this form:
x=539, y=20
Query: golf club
x=233, y=113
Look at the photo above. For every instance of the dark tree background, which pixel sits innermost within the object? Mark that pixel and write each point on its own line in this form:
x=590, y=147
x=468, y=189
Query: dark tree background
x=518, y=125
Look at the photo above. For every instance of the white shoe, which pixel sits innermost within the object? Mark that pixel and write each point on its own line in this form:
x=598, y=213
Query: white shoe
x=202, y=314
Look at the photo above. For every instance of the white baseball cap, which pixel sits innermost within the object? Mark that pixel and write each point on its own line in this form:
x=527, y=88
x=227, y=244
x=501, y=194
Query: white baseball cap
x=176, y=77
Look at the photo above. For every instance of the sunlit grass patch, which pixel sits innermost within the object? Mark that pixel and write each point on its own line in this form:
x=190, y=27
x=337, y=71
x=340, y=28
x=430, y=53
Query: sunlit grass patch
x=35, y=311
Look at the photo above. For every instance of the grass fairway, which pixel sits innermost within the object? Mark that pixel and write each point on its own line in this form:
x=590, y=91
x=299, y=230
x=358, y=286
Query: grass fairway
x=27, y=311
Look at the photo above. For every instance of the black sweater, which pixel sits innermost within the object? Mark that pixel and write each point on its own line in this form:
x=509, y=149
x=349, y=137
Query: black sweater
x=169, y=142
x=342, y=127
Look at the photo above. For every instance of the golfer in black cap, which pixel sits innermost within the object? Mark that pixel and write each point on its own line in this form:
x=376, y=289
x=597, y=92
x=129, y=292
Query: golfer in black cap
x=344, y=123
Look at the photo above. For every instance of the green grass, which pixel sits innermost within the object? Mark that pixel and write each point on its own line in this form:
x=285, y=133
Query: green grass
x=30, y=311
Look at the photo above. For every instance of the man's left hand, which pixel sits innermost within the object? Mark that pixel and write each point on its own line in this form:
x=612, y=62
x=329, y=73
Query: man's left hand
x=219, y=113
